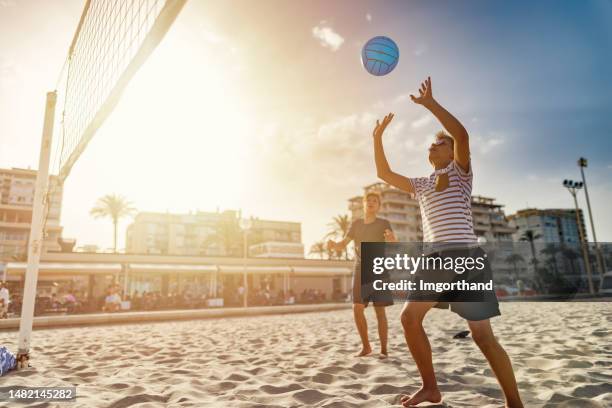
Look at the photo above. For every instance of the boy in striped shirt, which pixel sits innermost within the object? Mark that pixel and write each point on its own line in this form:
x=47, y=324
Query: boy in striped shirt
x=445, y=201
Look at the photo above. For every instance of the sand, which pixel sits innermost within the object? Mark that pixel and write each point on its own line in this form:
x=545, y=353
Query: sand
x=562, y=354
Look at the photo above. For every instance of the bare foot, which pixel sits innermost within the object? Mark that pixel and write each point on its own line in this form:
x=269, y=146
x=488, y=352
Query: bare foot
x=383, y=354
x=364, y=352
x=422, y=395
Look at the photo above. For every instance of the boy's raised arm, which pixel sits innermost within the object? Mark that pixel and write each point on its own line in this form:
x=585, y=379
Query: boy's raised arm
x=450, y=123
x=383, y=170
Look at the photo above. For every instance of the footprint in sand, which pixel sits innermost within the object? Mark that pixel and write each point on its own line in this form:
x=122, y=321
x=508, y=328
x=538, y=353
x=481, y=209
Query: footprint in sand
x=323, y=378
x=310, y=397
x=543, y=363
x=271, y=389
x=360, y=368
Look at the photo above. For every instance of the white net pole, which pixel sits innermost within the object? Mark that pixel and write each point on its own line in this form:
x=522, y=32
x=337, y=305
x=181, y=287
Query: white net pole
x=35, y=244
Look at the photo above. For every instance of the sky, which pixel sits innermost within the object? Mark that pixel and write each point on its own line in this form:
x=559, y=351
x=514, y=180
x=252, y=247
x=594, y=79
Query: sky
x=265, y=106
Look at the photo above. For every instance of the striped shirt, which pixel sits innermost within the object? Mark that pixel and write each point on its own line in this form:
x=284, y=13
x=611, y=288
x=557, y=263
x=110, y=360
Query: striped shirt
x=447, y=214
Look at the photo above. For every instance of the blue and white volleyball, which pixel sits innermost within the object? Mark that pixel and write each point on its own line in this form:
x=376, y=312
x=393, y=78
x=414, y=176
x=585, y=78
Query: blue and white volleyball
x=380, y=55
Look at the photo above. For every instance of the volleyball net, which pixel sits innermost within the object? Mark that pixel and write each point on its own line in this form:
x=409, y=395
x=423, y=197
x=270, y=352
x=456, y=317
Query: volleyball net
x=112, y=41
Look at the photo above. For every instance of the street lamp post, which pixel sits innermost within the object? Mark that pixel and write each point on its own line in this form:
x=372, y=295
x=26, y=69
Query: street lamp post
x=573, y=187
x=245, y=226
x=601, y=262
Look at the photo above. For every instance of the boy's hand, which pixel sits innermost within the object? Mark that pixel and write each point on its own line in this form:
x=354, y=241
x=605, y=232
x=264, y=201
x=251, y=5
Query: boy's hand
x=380, y=127
x=425, y=97
x=331, y=245
x=390, y=236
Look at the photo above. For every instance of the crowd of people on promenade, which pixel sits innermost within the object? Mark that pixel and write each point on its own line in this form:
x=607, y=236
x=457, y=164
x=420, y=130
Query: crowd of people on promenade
x=115, y=300
x=264, y=296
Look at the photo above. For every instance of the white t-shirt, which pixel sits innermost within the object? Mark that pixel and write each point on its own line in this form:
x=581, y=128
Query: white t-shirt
x=447, y=214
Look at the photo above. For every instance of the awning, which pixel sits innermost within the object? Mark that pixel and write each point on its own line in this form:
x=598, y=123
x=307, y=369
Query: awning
x=320, y=271
x=171, y=268
x=71, y=268
x=18, y=268
x=254, y=269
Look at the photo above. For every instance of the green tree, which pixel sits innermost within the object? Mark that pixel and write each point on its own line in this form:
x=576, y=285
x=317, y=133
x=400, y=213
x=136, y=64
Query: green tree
x=552, y=250
x=115, y=207
x=530, y=237
x=318, y=248
x=339, y=228
x=571, y=256
x=514, y=260
x=227, y=236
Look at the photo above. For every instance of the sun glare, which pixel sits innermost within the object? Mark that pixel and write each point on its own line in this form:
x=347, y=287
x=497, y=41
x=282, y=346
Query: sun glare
x=178, y=139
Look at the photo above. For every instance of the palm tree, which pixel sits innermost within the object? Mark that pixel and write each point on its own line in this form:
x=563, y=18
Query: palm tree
x=552, y=250
x=227, y=236
x=514, y=259
x=531, y=236
x=114, y=206
x=318, y=247
x=571, y=256
x=340, y=226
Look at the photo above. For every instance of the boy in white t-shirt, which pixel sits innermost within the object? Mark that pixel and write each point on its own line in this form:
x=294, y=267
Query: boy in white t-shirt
x=445, y=201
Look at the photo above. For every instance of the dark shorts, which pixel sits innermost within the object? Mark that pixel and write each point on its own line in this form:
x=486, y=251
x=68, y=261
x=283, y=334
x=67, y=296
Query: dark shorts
x=364, y=293
x=487, y=305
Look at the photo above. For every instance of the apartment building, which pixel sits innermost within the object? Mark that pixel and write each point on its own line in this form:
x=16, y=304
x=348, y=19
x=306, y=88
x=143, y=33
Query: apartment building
x=212, y=234
x=490, y=221
x=16, y=197
x=555, y=225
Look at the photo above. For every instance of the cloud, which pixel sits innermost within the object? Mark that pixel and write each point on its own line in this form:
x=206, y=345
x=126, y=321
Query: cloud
x=338, y=151
x=327, y=37
x=222, y=45
x=486, y=144
x=422, y=121
x=369, y=17
x=420, y=50
x=401, y=98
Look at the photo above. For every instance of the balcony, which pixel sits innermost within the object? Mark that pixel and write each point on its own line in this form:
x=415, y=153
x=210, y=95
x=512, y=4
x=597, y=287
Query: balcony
x=15, y=225
x=15, y=207
x=504, y=229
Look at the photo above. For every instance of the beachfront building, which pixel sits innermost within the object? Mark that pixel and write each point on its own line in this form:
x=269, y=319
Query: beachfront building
x=275, y=239
x=212, y=234
x=490, y=221
x=556, y=241
x=16, y=198
x=548, y=225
